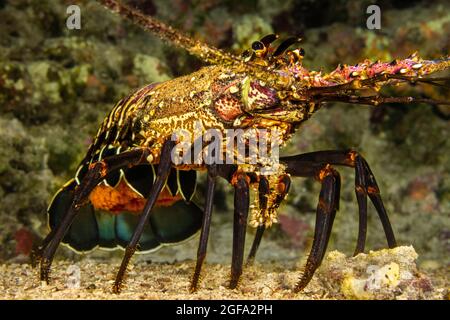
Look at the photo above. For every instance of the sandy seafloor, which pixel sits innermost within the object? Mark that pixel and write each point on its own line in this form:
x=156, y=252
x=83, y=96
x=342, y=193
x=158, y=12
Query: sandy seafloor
x=151, y=281
x=171, y=281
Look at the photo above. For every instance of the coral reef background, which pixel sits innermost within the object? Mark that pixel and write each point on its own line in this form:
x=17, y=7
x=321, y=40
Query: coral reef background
x=56, y=85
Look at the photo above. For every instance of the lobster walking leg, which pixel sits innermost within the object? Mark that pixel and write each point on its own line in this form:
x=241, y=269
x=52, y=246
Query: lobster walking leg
x=326, y=211
x=36, y=252
x=98, y=171
x=164, y=167
x=241, y=206
x=255, y=245
x=361, y=197
x=365, y=185
x=201, y=252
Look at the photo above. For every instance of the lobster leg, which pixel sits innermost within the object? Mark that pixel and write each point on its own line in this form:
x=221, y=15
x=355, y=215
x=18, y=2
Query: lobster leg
x=318, y=164
x=255, y=245
x=164, y=166
x=201, y=252
x=241, y=206
x=36, y=252
x=361, y=197
x=326, y=211
x=374, y=194
x=99, y=171
x=365, y=185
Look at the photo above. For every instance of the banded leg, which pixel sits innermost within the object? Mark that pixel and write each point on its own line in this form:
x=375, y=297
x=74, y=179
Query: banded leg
x=201, y=252
x=241, y=206
x=164, y=166
x=365, y=185
x=98, y=171
x=325, y=214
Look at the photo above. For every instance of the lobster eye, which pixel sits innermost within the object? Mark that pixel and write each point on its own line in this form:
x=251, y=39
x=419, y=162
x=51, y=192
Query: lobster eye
x=257, y=46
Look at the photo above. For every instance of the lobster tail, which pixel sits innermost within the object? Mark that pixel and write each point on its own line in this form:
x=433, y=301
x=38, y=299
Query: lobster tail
x=94, y=227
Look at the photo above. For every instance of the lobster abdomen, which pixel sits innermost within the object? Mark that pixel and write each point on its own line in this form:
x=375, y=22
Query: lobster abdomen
x=108, y=219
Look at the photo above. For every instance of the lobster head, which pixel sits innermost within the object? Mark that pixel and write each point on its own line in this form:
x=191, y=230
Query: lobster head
x=274, y=85
x=270, y=86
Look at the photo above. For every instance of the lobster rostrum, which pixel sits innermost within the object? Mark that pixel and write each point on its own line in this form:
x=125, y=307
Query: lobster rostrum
x=128, y=192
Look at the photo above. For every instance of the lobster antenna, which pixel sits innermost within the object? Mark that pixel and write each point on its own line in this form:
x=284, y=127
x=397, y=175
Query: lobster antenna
x=197, y=48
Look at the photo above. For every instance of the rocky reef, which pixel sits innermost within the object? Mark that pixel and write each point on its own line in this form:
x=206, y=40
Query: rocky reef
x=383, y=274
x=56, y=85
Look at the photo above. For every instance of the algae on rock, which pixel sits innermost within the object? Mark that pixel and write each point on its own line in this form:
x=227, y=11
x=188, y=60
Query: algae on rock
x=385, y=274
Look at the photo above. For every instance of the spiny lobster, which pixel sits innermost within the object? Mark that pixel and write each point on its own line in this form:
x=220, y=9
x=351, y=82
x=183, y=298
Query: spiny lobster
x=128, y=192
